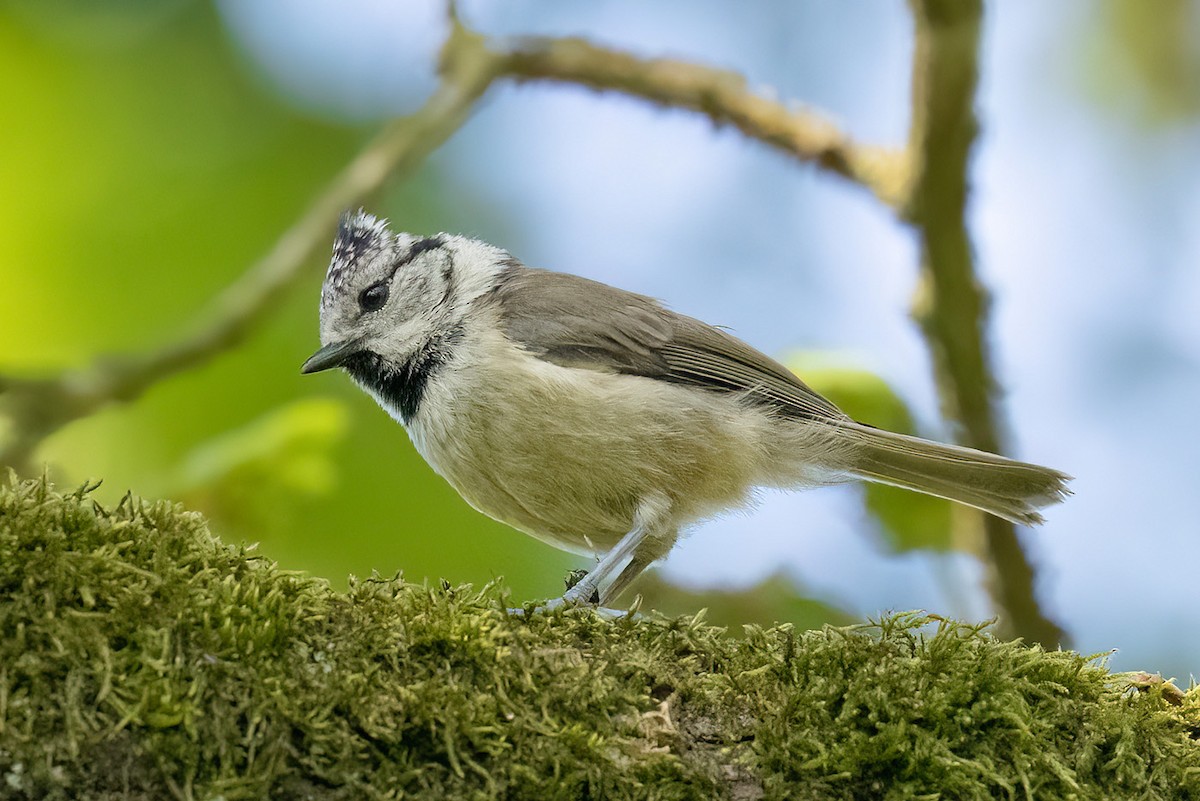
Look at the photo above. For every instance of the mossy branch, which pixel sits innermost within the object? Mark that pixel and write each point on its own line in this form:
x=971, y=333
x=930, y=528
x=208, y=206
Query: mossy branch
x=140, y=658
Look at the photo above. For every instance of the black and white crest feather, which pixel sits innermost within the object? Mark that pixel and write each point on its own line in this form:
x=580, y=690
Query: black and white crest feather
x=360, y=237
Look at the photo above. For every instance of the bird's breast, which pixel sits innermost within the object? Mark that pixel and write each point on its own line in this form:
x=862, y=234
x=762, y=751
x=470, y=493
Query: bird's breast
x=568, y=454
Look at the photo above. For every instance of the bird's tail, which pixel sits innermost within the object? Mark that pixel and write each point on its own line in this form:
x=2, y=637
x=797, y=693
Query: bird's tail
x=1004, y=487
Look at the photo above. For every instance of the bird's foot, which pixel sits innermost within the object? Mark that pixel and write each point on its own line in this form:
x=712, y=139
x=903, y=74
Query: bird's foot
x=582, y=593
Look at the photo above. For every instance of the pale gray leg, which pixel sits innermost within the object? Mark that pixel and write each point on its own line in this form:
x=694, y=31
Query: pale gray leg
x=638, y=546
x=581, y=594
x=632, y=570
x=651, y=551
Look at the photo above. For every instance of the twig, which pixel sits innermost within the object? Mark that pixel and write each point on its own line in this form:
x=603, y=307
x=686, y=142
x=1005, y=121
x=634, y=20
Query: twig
x=721, y=95
x=952, y=306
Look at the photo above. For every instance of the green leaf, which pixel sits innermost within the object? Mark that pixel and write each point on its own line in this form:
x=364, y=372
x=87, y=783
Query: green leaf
x=859, y=393
x=292, y=442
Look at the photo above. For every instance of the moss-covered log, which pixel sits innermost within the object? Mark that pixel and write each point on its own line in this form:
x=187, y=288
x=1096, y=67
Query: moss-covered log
x=142, y=658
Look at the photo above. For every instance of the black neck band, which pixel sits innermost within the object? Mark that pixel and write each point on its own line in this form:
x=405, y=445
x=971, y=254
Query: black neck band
x=402, y=385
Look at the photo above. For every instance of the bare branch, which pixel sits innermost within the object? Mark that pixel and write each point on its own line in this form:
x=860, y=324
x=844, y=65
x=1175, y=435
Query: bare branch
x=952, y=307
x=721, y=95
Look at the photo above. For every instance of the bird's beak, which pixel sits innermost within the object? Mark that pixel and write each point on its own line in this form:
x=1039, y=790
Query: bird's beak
x=331, y=355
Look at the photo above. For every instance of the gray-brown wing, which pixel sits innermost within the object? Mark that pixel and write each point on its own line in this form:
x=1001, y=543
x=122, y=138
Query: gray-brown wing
x=575, y=322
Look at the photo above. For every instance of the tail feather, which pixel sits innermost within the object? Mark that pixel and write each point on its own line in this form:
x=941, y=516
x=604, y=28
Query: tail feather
x=1004, y=487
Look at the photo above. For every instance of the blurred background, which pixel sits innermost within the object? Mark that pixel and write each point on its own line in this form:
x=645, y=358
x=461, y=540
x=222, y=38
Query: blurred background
x=150, y=151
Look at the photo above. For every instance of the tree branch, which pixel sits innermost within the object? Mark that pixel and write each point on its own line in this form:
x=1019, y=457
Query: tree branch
x=952, y=306
x=722, y=96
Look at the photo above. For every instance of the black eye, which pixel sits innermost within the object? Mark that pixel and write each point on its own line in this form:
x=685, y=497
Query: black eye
x=373, y=297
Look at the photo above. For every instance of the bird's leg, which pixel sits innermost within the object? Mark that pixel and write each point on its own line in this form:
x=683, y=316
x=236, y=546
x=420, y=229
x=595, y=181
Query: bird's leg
x=642, y=545
x=587, y=588
x=652, y=549
x=632, y=570
x=574, y=577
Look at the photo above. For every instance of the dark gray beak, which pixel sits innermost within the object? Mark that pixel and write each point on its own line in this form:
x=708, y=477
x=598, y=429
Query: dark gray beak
x=332, y=355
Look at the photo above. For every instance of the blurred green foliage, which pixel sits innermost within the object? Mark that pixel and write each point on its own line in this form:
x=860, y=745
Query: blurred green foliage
x=145, y=168
x=776, y=598
x=1143, y=59
x=248, y=476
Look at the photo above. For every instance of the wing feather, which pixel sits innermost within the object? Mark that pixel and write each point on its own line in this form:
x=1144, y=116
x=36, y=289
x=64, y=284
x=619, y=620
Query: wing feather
x=575, y=322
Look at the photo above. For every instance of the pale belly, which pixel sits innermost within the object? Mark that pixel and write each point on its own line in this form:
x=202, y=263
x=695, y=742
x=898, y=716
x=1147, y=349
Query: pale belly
x=568, y=455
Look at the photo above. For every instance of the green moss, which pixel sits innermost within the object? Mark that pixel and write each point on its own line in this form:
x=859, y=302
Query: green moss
x=142, y=658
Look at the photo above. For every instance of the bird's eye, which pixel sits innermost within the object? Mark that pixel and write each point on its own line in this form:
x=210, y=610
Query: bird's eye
x=373, y=297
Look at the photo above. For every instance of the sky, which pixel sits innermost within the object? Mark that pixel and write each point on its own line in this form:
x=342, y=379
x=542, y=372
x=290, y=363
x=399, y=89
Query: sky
x=1083, y=219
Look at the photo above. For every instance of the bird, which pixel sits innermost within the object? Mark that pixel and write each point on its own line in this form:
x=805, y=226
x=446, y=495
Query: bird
x=597, y=420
